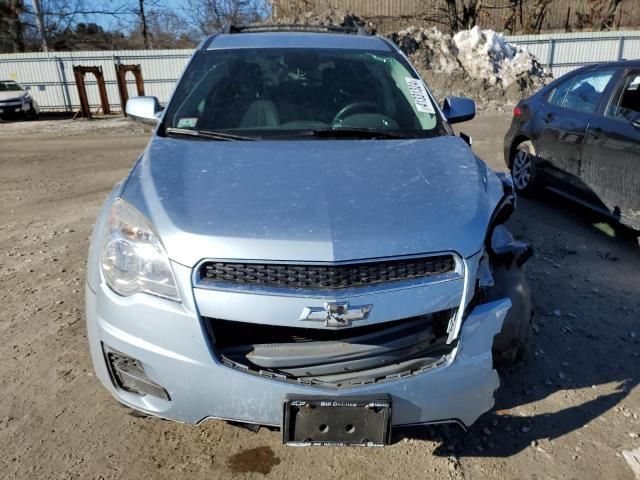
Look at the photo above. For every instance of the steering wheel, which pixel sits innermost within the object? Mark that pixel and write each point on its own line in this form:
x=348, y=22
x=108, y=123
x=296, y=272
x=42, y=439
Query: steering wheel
x=354, y=108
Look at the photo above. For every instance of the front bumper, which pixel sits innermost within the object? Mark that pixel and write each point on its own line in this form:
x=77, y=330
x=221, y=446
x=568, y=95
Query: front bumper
x=11, y=108
x=168, y=339
x=17, y=108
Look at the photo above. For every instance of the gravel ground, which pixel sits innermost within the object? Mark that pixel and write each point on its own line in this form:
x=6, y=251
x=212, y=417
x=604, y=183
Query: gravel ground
x=567, y=411
x=63, y=127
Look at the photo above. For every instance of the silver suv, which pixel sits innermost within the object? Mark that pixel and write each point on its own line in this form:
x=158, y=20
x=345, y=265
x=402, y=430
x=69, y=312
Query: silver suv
x=305, y=244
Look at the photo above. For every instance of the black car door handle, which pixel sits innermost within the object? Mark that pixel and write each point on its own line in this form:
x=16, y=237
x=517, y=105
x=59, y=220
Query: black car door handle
x=548, y=117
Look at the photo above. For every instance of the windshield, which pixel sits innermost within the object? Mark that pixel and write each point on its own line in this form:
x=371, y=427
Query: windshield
x=285, y=92
x=9, y=86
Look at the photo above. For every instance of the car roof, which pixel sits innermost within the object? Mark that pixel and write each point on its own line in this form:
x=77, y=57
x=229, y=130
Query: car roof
x=588, y=68
x=605, y=65
x=296, y=40
x=620, y=63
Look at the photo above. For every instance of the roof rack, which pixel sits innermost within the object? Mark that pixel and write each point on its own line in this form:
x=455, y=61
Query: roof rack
x=354, y=30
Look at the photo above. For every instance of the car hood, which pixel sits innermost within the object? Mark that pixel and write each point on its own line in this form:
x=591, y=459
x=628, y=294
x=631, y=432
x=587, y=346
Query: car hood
x=13, y=95
x=313, y=200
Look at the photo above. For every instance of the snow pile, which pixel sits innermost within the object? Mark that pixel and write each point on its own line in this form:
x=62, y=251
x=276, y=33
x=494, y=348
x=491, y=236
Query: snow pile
x=486, y=54
x=477, y=63
x=431, y=48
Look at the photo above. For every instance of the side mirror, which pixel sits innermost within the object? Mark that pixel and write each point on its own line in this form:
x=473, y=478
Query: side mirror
x=143, y=109
x=635, y=120
x=458, y=109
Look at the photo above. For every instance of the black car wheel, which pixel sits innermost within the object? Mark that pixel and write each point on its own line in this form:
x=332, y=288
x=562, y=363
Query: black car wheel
x=524, y=168
x=32, y=114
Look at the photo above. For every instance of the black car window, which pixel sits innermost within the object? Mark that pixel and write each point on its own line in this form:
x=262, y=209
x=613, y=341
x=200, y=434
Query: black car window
x=627, y=105
x=585, y=91
x=9, y=86
x=557, y=94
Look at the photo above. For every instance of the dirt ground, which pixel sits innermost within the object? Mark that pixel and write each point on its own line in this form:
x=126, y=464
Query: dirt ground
x=566, y=412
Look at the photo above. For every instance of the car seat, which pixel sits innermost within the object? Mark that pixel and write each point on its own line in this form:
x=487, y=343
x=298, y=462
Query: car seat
x=260, y=114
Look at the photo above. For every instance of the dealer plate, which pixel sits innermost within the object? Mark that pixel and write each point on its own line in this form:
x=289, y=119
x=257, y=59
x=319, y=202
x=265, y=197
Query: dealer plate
x=337, y=422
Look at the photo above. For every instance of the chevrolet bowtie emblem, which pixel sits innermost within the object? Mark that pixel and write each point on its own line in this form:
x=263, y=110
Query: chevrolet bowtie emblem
x=336, y=314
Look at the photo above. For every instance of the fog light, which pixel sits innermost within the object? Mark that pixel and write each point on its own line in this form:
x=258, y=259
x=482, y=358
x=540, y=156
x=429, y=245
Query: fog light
x=128, y=374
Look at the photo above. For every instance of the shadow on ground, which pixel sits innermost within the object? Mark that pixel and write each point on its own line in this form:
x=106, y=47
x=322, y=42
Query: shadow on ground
x=585, y=278
x=58, y=116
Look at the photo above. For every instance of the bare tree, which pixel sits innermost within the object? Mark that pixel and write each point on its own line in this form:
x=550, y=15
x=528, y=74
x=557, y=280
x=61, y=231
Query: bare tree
x=537, y=15
x=452, y=15
x=470, y=13
x=69, y=24
x=600, y=16
x=143, y=25
x=138, y=11
x=166, y=29
x=60, y=15
x=211, y=15
x=11, y=27
x=608, y=14
x=467, y=18
x=511, y=19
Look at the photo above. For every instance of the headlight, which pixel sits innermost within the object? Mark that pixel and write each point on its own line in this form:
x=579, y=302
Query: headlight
x=133, y=258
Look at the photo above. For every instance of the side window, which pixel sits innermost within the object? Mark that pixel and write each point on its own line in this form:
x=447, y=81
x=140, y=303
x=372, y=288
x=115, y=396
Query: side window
x=627, y=105
x=557, y=95
x=586, y=90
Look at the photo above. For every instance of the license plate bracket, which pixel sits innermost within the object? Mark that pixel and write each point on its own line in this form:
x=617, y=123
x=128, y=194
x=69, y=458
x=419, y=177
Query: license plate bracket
x=337, y=421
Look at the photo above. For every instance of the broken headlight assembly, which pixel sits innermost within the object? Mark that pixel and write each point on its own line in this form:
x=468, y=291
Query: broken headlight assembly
x=499, y=242
x=501, y=249
x=133, y=258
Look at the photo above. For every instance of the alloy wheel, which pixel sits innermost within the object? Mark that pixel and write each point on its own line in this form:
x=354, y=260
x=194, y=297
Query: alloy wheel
x=522, y=169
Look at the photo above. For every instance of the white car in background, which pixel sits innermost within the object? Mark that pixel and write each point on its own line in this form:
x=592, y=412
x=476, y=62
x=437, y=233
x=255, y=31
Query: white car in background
x=15, y=101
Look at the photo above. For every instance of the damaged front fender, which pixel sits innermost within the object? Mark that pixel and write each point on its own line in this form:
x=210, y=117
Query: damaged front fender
x=482, y=324
x=476, y=341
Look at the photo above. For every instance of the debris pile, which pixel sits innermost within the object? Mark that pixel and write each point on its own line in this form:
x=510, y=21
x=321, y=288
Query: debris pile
x=476, y=63
x=329, y=17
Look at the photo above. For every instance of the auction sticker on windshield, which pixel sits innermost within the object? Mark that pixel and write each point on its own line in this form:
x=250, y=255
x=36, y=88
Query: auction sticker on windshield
x=420, y=95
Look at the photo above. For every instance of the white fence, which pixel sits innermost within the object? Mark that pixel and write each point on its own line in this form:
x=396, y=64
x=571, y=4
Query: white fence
x=567, y=51
x=51, y=81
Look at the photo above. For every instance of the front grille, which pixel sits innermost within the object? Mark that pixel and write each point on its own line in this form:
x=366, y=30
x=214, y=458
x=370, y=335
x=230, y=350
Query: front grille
x=327, y=276
x=333, y=358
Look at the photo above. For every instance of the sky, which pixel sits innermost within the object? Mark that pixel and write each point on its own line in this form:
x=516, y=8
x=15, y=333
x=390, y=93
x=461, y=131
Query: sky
x=109, y=22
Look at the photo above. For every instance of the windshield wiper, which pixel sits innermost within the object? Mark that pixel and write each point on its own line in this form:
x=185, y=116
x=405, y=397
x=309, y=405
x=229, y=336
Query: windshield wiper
x=208, y=134
x=351, y=133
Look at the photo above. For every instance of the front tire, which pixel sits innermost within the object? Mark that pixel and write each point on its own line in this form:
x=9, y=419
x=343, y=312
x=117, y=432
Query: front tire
x=525, y=169
x=32, y=114
x=510, y=344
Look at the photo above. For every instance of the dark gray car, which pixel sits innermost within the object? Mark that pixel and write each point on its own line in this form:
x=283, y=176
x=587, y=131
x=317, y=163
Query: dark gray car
x=580, y=137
